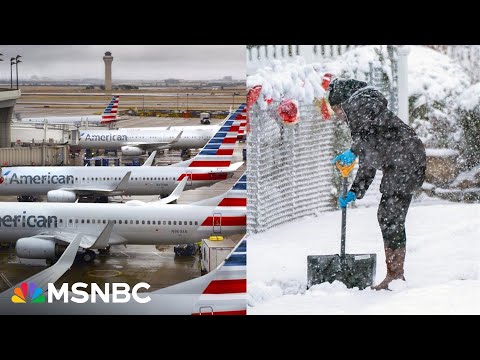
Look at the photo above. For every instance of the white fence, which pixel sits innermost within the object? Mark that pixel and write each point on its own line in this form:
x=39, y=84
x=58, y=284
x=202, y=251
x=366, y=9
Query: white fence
x=259, y=56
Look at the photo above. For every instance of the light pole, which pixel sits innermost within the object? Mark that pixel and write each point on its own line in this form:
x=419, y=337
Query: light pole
x=233, y=98
x=12, y=62
x=177, y=103
x=16, y=66
x=187, y=103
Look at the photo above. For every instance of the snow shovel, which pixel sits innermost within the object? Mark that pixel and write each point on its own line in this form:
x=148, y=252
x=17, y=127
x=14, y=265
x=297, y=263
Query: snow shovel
x=354, y=270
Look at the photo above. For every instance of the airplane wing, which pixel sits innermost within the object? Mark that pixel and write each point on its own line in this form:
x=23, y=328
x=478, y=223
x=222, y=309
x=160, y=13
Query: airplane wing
x=54, y=272
x=86, y=241
x=121, y=187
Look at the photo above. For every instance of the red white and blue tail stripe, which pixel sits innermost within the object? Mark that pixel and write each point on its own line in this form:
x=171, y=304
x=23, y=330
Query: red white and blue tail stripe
x=226, y=294
x=237, y=195
x=243, y=125
x=218, y=152
x=232, y=206
x=111, y=111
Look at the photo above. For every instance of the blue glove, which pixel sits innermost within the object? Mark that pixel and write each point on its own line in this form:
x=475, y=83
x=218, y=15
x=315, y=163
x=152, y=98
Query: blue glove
x=345, y=200
x=345, y=158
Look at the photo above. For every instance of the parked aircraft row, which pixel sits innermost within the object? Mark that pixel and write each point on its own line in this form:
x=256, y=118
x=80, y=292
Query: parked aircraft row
x=44, y=230
x=137, y=141
x=109, y=115
x=68, y=183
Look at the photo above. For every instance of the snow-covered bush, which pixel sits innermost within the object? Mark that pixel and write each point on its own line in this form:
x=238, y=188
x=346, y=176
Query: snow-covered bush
x=435, y=84
x=469, y=111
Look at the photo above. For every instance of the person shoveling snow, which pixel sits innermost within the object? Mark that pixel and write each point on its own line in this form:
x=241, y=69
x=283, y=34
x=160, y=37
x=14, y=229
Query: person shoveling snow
x=381, y=141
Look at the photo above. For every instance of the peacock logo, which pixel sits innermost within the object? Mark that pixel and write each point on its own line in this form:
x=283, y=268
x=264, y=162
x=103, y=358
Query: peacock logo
x=28, y=291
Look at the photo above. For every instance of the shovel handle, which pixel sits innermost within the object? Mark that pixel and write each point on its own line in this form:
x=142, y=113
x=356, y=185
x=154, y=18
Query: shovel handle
x=344, y=220
x=345, y=170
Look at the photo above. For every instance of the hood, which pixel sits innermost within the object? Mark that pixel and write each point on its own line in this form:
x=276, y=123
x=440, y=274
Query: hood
x=340, y=90
x=369, y=93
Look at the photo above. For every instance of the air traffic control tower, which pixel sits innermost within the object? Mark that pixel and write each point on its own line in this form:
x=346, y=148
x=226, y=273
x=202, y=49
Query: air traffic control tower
x=108, y=59
x=8, y=98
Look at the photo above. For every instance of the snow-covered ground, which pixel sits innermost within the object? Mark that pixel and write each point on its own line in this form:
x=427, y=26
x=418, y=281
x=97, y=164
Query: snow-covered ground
x=442, y=265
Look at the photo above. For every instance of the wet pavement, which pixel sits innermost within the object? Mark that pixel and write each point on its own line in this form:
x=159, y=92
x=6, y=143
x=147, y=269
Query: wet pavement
x=131, y=264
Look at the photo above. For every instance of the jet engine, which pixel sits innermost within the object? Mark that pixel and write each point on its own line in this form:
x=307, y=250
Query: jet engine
x=131, y=151
x=37, y=248
x=61, y=196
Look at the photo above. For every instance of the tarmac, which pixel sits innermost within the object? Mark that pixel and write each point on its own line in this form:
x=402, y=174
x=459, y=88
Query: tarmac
x=155, y=265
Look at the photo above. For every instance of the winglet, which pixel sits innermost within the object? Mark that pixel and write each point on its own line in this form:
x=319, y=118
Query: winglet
x=175, y=194
x=235, y=166
x=150, y=159
x=104, y=237
x=124, y=183
x=177, y=138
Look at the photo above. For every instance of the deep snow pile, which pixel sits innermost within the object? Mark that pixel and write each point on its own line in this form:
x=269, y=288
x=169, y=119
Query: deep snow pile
x=442, y=267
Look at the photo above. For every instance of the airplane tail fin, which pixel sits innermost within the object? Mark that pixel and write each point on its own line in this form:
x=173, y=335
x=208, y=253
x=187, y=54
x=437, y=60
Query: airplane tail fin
x=110, y=113
x=236, y=196
x=218, y=152
x=222, y=291
x=226, y=293
x=243, y=118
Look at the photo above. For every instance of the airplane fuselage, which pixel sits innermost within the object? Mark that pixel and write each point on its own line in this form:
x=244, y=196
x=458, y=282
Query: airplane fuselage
x=144, y=180
x=115, y=139
x=134, y=224
x=70, y=120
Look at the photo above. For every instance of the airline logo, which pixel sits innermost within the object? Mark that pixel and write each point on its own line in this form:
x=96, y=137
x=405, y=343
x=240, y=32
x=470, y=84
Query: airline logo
x=243, y=125
x=104, y=137
x=219, y=149
x=110, y=112
x=28, y=292
x=38, y=179
x=237, y=196
x=2, y=179
x=26, y=221
x=227, y=292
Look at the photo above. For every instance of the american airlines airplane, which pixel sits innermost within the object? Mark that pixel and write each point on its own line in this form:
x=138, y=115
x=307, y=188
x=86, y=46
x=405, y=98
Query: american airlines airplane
x=68, y=183
x=136, y=141
x=43, y=230
x=109, y=115
x=221, y=292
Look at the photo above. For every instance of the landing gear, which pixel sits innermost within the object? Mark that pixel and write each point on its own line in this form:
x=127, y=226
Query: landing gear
x=105, y=251
x=27, y=198
x=186, y=153
x=88, y=256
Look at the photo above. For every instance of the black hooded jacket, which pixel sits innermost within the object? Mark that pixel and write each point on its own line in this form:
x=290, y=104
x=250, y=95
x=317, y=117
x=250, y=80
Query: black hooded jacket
x=381, y=140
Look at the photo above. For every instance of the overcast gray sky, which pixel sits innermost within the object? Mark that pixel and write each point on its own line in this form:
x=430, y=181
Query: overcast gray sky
x=131, y=62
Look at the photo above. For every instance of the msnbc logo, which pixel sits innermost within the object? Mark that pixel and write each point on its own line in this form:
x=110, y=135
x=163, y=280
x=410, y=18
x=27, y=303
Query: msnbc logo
x=28, y=290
